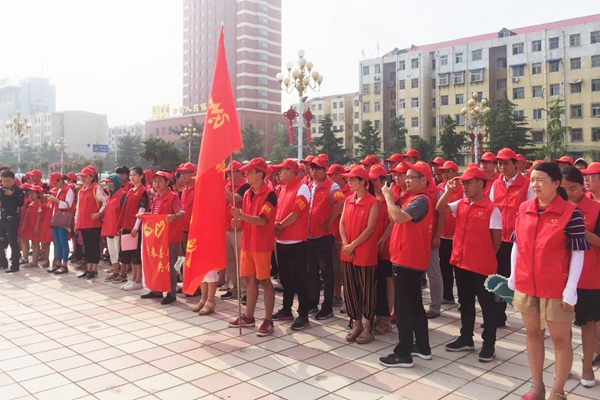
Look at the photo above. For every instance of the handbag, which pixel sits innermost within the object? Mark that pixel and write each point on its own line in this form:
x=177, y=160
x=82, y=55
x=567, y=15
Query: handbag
x=63, y=219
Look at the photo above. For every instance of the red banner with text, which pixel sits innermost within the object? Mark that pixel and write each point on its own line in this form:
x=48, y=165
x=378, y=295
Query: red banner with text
x=155, y=252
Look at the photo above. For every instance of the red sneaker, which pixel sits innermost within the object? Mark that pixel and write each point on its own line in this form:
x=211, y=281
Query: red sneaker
x=242, y=321
x=266, y=328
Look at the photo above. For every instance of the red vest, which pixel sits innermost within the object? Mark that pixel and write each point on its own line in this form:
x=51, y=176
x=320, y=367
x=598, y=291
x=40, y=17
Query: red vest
x=543, y=262
x=473, y=248
x=166, y=207
x=62, y=196
x=288, y=202
x=228, y=215
x=322, y=207
x=489, y=183
x=508, y=201
x=255, y=237
x=410, y=243
x=347, y=192
x=383, y=220
x=126, y=186
x=88, y=204
x=356, y=217
x=111, y=214
x=127, y=217
x=187, y=202
x=450, y=224
x=590, y=276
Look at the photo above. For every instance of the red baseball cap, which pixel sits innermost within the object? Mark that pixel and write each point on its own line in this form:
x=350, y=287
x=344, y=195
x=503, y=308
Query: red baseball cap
x=413, y=153
x=336, y=169
x=27, y=175
x=396, y=157
x=565, y=159
x=488, y=156
x=55, y=177
x=26, y=186
x=37, y=172
x=400, y=168
x=148, y=175
x=36, y=188
x=164, y=174
x=186, y=167
x=235, y=166
x=288, y=163
x=421, y=168
x=87, y=171
x=308, y=159
x=506, y=154
x=376, y=171
x=72, y=176
x=471, y=172
x=324, y=156
x=302, y=167
x=319, y=162
x=438, y=161
x=594, y=168
x=357, y=172
x=449, y=165
x=256, y=163
x=370, y=160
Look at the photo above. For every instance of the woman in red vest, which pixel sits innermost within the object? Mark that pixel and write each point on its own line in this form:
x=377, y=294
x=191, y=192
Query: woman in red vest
x=62, y=200
x=137, y=201
x=546, y=263
x=91, y=203
x=359, y=254
x=30, y=228
x=587, y=309
x=110, y=227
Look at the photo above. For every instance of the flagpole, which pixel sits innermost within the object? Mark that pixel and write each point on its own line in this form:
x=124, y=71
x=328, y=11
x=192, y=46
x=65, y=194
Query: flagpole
x=235, y=247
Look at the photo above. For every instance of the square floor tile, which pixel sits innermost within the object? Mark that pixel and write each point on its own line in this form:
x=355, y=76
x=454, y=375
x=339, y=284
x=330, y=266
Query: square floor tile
x=158, y=382
x=44, y=383
x=216, y=382
x=273, y=382
x=182, y=392
x=124, y=392
x=102, y=383
x=242, y=391
x=66, y=392
x=386, y=381
x=137, y=372
x=301, y=391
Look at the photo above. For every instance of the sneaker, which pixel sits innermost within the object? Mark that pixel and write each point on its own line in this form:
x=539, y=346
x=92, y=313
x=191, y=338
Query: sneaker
x=461, y=344
x=133, y=286
x=444, y=301
x=324, y=314
x=244, y=300
x=487, y=353
x=242, y=321
x=396, y=361
x=423, y=355
x=300, y=323
x=266, y=328
x=84, y=275
x=152, y=295
x=92, y=274
x=223, y=288
x=337, y=302
x=283, y=315
x=227, y=295
x=61, y=270
x=313, y=311
x=124, y=287
x=120, y=279
x=111, y=277
x=53, y=268
x=168, y=299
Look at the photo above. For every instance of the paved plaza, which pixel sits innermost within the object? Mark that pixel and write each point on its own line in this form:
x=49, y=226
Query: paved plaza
x=66, y=338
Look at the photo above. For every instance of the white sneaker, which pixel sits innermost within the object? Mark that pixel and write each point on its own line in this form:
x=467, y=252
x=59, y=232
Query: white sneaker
x=123, y=287
x=134, y=286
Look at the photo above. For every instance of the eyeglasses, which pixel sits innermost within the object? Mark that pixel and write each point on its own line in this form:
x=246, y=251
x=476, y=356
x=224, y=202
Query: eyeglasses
x=590, y=176
x=411, y=177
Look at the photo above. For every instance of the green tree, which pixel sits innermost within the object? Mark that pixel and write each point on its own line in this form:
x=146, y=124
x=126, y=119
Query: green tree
x=8, y=156
x=451, y=143
x=252, y=143
x=329, y=143
x=162, y=154
x=368, y=139
x=129, y=150
x=281, y=148
x=505, y=129
x=398, y=133
x=424, y=148
x=557, y=133
x=593, y=154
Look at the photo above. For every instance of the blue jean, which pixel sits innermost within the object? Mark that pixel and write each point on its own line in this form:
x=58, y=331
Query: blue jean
x=61, y=244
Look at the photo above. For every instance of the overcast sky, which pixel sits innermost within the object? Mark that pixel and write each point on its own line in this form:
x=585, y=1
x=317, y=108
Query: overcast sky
x=120, y=57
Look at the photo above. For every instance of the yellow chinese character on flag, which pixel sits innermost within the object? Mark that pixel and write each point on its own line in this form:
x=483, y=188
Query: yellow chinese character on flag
x=218, y=115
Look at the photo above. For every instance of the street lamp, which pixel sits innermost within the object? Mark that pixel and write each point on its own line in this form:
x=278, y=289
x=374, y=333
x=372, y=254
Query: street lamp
x=62, y=145
x=300, y=78
x=189, y=133
x=19, y=125
x=473, y=112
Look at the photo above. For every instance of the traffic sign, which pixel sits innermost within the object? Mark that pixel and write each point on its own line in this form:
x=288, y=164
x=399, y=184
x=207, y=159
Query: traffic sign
x=100, y=148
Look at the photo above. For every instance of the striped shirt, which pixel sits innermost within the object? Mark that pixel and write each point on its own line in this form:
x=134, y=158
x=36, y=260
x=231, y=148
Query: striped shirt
x=158, y=202
x=574, y=231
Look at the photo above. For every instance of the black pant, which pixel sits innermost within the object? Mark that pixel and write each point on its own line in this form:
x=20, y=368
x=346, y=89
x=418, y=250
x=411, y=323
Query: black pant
x=410, y=313
x=9, y=231
x=446, y=268
x=503, y=257
x=292, y=275
x=471, y=285
x=91, y=242
x=382, y=272
x=320, y=253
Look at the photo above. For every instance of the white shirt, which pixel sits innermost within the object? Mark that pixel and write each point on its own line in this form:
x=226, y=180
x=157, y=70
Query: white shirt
x=69, y=199
x=303, y=191
x=530, y=194
x=495, y=219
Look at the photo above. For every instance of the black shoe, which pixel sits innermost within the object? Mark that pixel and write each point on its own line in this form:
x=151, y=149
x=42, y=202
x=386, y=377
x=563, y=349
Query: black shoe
x=92, y=274
x=227, y=295
x=300, y=323
x=461, y=344
x=423, y=282
x=168, y=300
x=396, y=361
x=244, y=300
x=12, y=270
x=487, y=353
x=283, y=315
x=84, y=275
x=423, y=355
x=324, y=314
x=152, y=295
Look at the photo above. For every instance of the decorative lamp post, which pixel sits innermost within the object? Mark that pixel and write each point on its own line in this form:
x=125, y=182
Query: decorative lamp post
x=473, y=112
x=62, y=145
x=19, y=125
x=300, y=78
x=189, y=133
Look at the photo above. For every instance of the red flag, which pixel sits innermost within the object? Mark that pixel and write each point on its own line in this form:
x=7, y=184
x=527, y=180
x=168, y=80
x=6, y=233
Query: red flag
x=155, y=252
x=206, y=239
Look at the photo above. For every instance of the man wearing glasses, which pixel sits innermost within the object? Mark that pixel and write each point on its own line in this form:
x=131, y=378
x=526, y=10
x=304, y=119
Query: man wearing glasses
x=591, y=176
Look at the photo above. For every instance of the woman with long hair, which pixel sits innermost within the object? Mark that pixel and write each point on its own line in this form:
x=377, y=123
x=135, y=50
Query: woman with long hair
x=62, y=199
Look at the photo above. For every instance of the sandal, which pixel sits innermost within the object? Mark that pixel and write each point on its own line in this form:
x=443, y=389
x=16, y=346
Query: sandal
x=209, y=308
x=540, y=396
x=562, y=395
x=382, y=326
x=356, y=331
x=199, y=306
x=365, y=337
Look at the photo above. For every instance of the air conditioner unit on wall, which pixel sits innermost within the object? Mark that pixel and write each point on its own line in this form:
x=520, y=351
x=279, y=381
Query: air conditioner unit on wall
x=515, y=79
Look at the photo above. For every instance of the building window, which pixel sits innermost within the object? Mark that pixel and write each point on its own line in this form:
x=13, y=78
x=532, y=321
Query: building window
x=444, y=100
x=596, y=133
x=433, y=102
x=596, y=61
x=263, y=32
x=414, y=63
x=518, y=48
x=595, y=109
x=443, y=60
x=433, y=122
x=476, y=55
x=554, y=66
x=575, y=88
x=575, y=63
x=321, y=107
x=536, y=45
x=334, y=116
x=356, y=103
x=553, y=43
x=554, y=89
x=377, y=68
x=519, y=113
x=477, y=75
x=414, y=102
x=263, y=7
x=263, y=93
x=356, y=128
x=366, y=107
x=537, y=114
x=366, y=88
x=501, y=84
x=595, y=37
x=341, y=104
x=575, y=40
x=536, y=91
x=401, y=65
x=433, y=83
x=576, y=111
x=458, y=58
x=444, y=80
x=401, y=84
x=356, y=115
x=500, y=63
x=460, y=119
x=414, y=83
x=518, y=71
x=595, y=85
x=536, y=68
x=433, y=63
x=366, y=70
x=263, y=44
x=458, y=78
x=334, y=104
x=537, y=136
x=262, y=81
x=377, y=105
x=263, y=68
x=402, y=104
x=577, y=135
x=459, y=99
x=377, y=87
x=518, y=93
x=377, y=124
x=341, y=117
x=414, y=122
